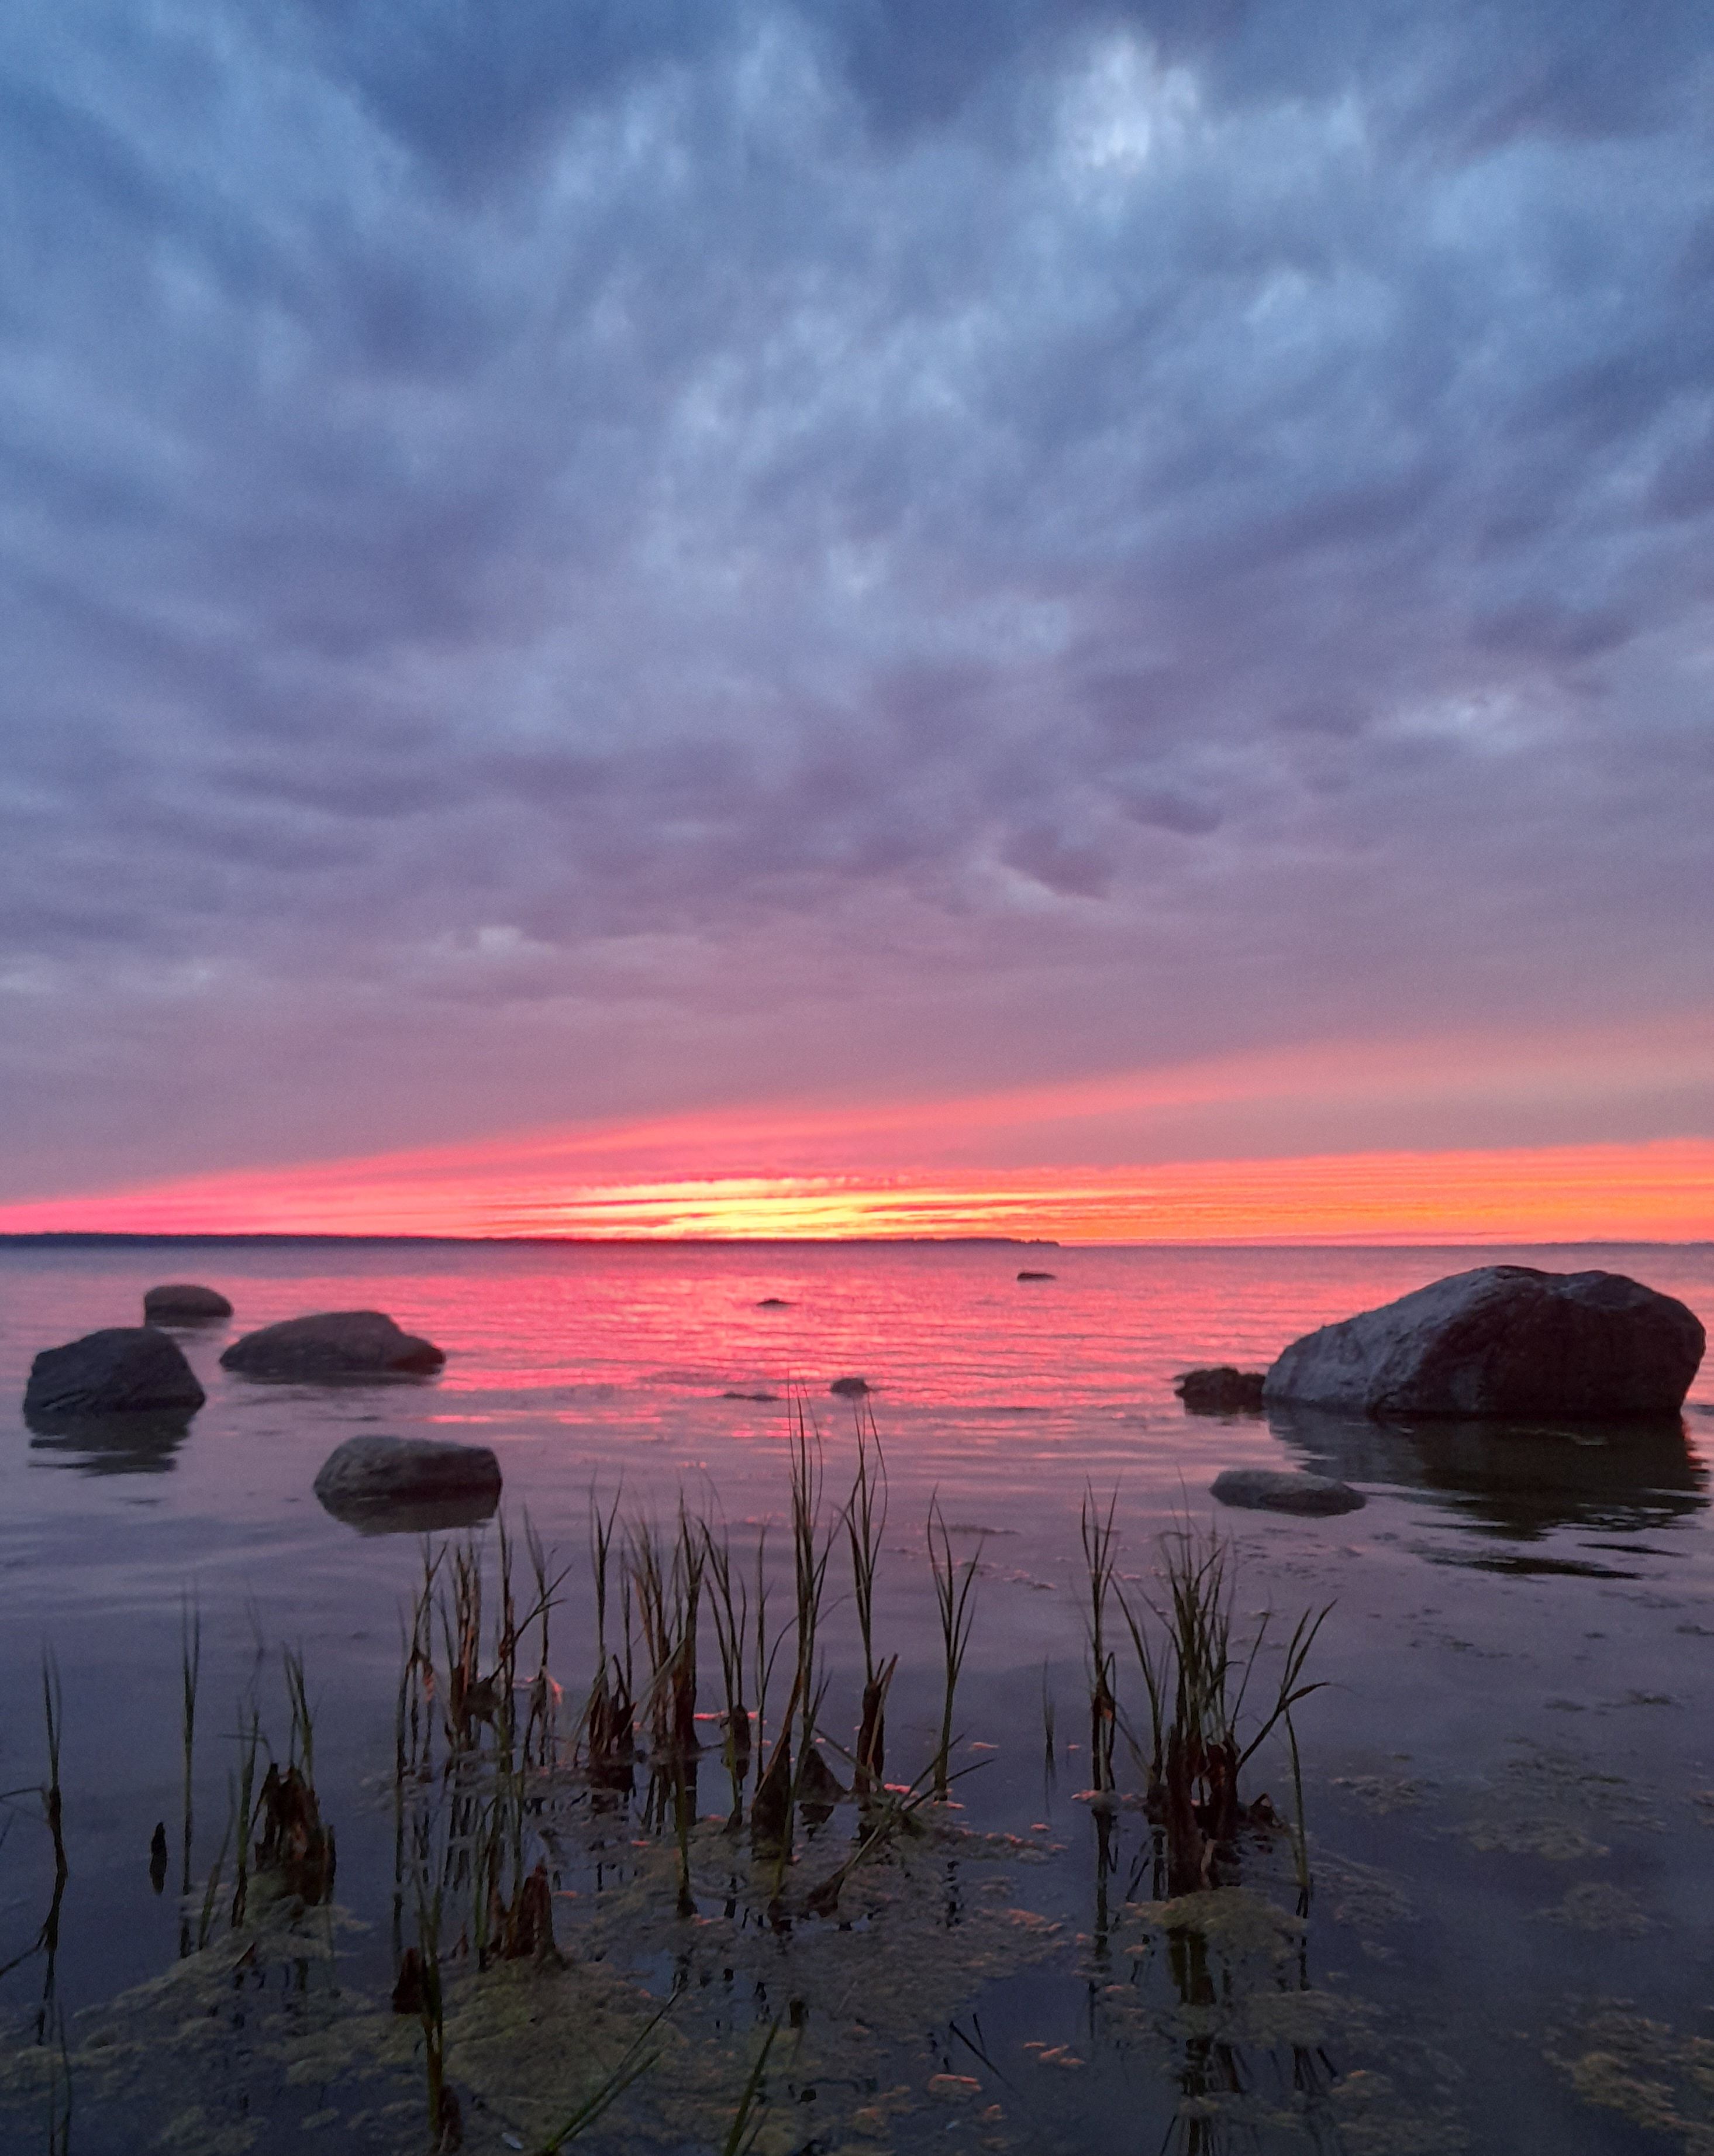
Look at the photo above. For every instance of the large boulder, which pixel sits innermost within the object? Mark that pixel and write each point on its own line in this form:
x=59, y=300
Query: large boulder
x=332, y=1345
x=408, y=1484
x=180, y=1302
x=1502, y=1341
x=126, y=1369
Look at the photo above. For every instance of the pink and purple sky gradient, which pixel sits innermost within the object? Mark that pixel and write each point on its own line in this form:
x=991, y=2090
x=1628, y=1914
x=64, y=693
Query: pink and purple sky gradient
x=1088, y=618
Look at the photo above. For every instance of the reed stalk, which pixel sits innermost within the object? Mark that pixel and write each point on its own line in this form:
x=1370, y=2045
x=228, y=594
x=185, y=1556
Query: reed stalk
x=865, y=1519
x=810, y=1549
x=190, y=1659
x=250, y=1740
x=954, y=1588
x=729, y=1602
x=636, y=2060
x=747, y=2122
x=59, y=2089
x=1098, y=1535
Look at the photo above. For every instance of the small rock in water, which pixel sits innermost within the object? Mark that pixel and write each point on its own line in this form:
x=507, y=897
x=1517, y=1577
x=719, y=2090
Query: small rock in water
x=849, y=1389
x=773, y=1302
x=125, y=1369
x=749, y=1396
x=183, y=1302
x=1221, y=1390
x=330, y=1345
x=1265, y=1490
x=1030, y=1275
x=410, y=1484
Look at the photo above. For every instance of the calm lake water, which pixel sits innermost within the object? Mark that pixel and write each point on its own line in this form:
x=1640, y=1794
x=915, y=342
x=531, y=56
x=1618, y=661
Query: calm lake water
x=1508, y=1779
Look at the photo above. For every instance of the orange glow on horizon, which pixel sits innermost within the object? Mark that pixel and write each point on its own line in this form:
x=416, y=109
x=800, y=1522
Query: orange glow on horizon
x=1657, y=1192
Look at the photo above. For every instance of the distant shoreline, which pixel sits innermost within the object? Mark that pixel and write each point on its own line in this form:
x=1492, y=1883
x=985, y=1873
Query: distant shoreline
x=86, y=1238
x=101, y=1238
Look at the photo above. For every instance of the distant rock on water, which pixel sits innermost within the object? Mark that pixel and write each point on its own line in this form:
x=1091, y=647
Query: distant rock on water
x=408, y=1484
x=332, y=1345
x=126, y=1369
x=1502, y=1341
x=182, y=1302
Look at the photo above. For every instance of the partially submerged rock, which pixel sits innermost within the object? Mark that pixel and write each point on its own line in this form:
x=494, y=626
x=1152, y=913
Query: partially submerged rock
x=1266, y=1490
x=849, y=1389
x=182, y=1302
x=408, y=1484
x=1221, y=1390
x=332, y=1345
x=125, y=1369
x=1029, y=1274
x=1502, y=1341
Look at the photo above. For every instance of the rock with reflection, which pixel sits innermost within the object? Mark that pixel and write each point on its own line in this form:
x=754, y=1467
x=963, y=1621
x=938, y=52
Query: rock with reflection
x=1221, y=1390
x=183, y=1302
x=111, y=1444
x=1265, y=1490
x=409, y=1485
x=1519, y=1478
x=1502, y=1341
x=124, y=1369
x=330, y=1346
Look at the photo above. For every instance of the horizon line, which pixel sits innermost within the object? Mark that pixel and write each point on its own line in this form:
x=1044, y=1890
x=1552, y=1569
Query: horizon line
x=95, y=1238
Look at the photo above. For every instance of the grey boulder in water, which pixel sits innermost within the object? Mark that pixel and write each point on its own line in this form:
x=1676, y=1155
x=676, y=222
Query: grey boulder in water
x=1221, y=1390
x=125, y=1369
x=1266, y=1490
x=333, y=1344
x=1502, y=1341
x=184, y=1302
x=368, y=1474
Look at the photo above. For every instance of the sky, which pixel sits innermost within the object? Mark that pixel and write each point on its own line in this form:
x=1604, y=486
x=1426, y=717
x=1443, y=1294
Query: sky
x=827, y=613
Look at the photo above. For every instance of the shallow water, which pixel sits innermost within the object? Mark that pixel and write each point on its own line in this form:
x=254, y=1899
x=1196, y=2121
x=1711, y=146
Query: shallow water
x=1501, y=1778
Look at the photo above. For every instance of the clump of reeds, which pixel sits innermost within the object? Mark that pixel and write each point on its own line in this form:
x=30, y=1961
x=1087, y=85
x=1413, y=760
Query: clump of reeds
x=954, y=1588
x=1197, y=1678
x=1098, y=1534
x=781, y=1783
x=608, y=1715
x=668, y=1587
x=419, y=1992
x=866, y=1522
x=729, y=1604
x=294, y=1844
x=667, y=1582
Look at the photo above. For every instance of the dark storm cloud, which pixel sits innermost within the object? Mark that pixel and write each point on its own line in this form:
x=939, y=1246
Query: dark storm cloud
x=894, y=524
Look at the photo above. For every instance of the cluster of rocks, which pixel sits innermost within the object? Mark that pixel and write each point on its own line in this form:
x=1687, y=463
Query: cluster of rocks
x=139, y=1372
x=1498, y=1344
